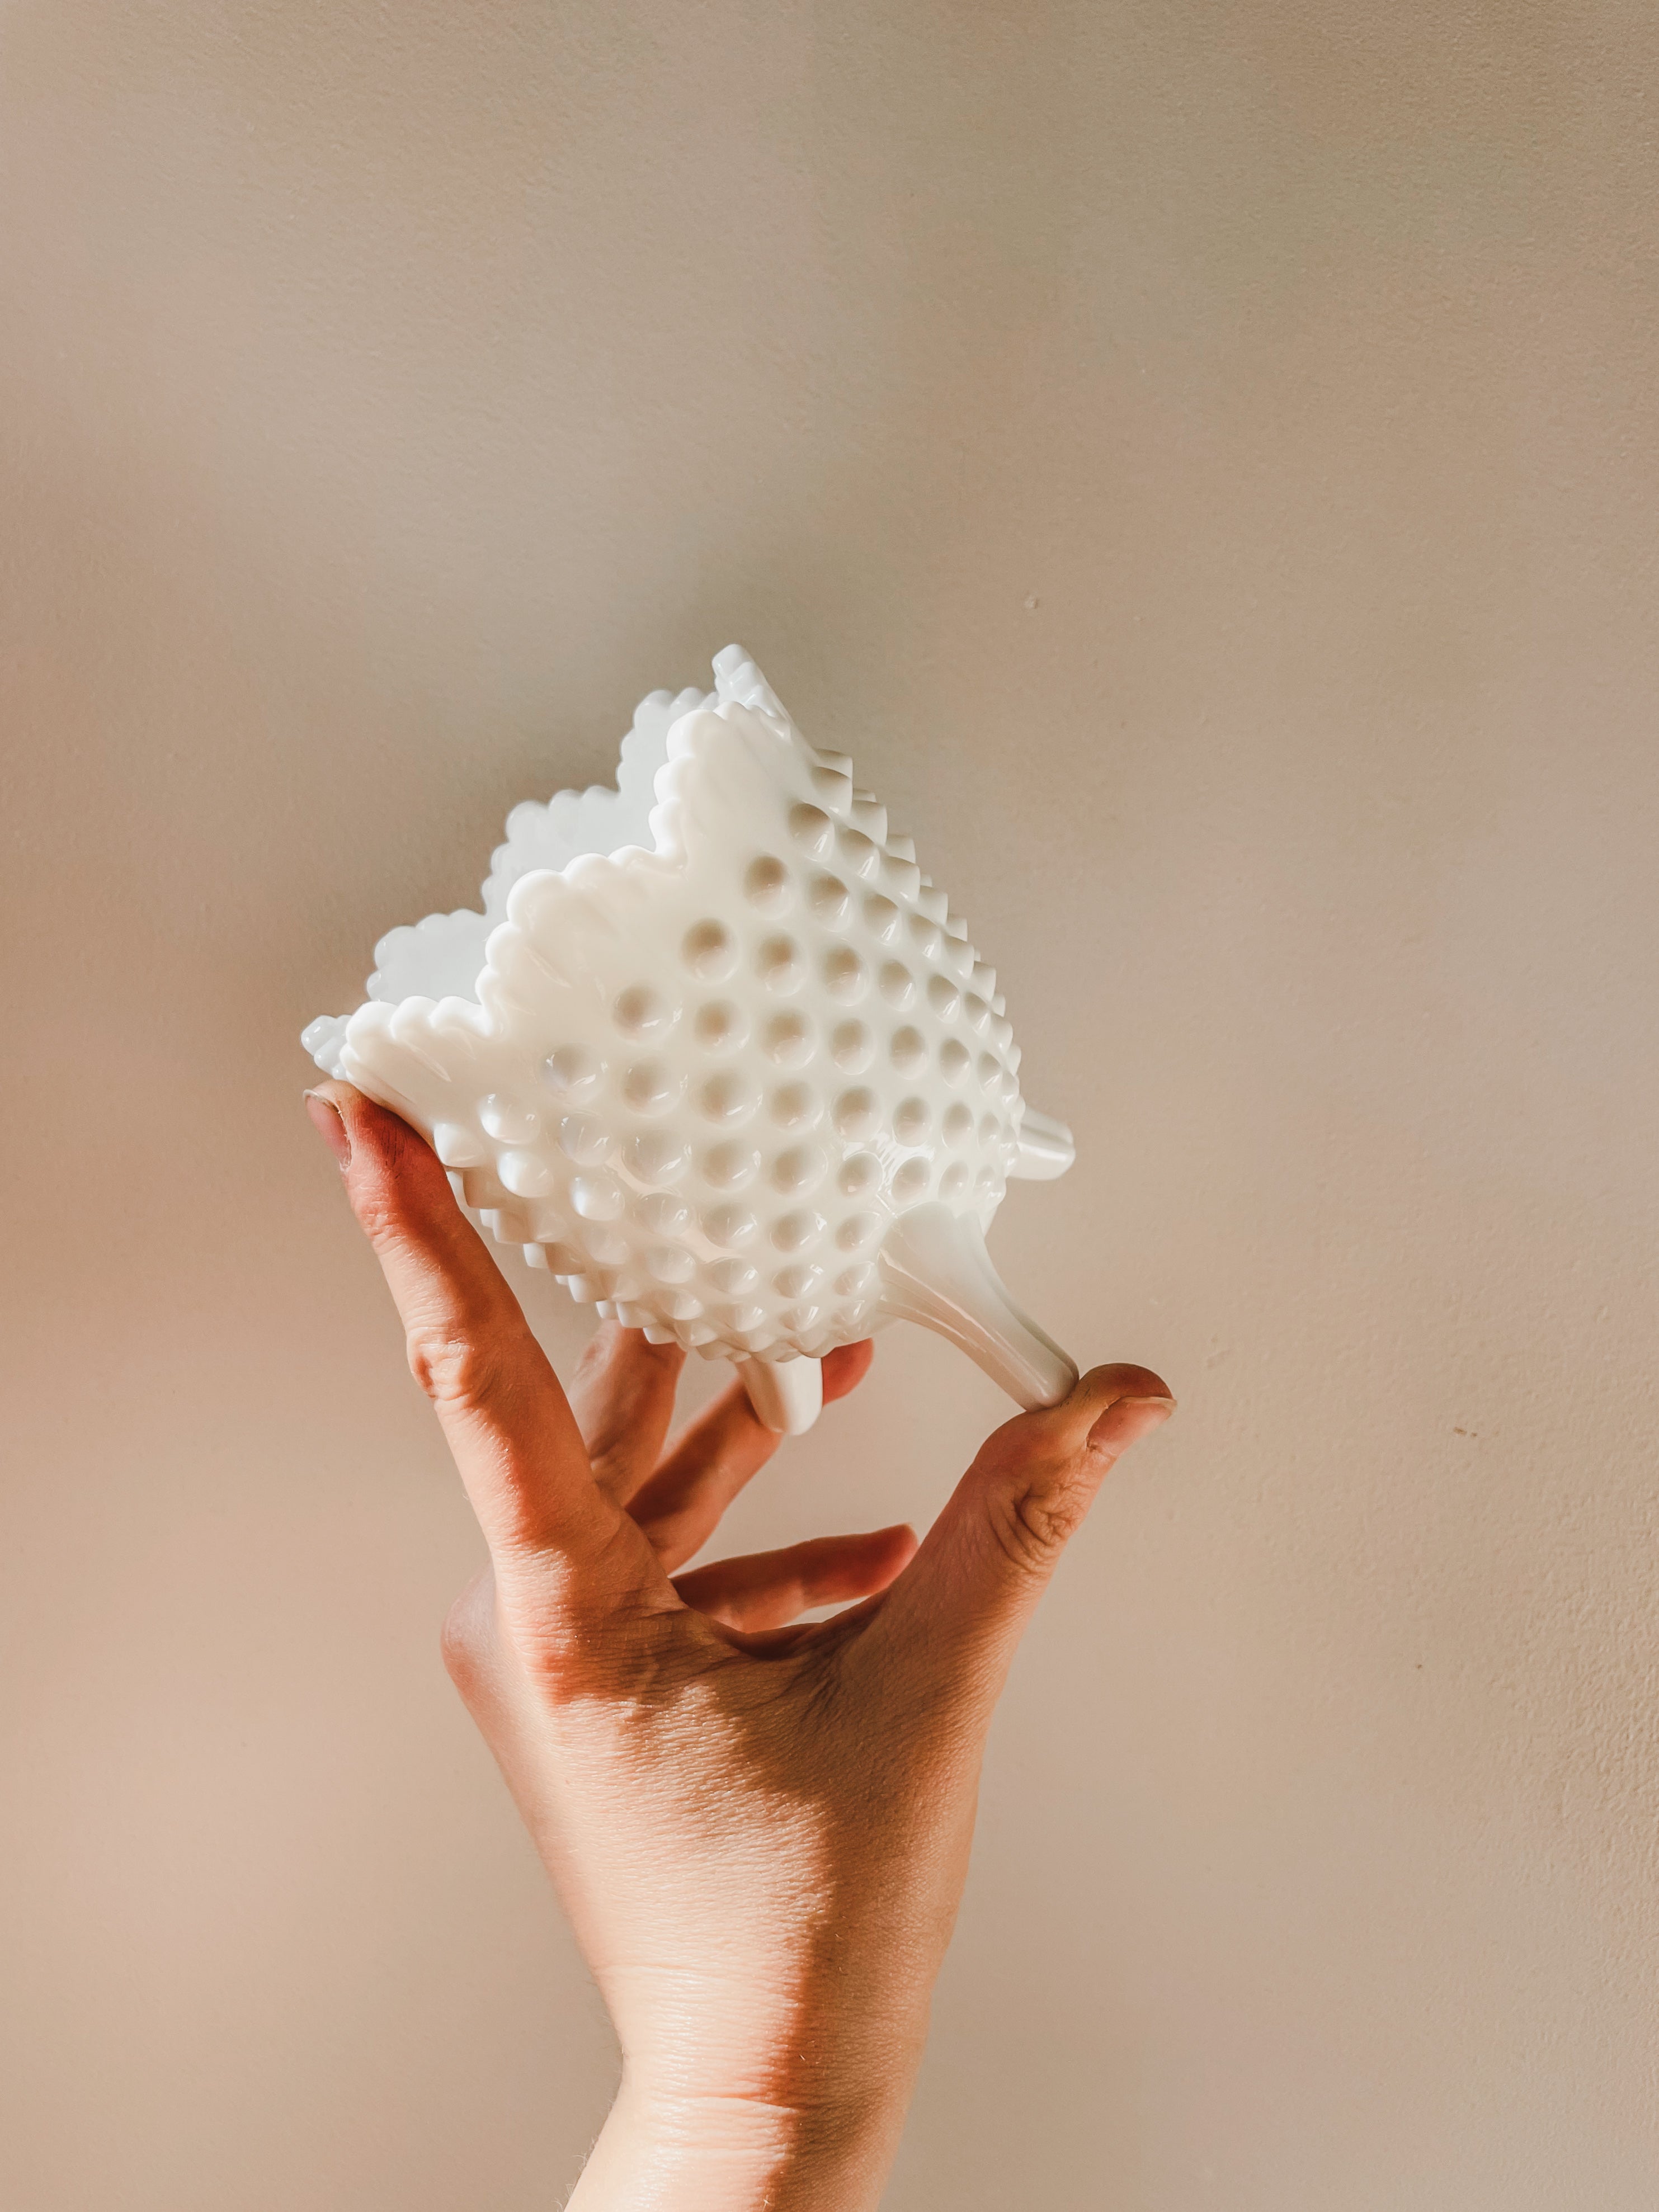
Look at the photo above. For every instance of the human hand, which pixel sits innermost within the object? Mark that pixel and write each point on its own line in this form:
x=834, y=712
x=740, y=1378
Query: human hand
x=760, y=1831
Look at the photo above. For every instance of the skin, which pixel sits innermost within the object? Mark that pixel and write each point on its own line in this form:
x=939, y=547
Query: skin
x=760, y=1831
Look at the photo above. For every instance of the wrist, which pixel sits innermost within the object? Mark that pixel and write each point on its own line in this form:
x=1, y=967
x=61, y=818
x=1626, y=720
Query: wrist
x=705, y=2151
x=769, y=2062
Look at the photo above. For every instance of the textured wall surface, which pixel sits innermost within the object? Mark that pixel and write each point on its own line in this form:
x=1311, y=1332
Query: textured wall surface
x=1201, y=463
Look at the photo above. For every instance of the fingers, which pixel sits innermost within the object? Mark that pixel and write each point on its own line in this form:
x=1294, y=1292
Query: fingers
x=988, y=1557
x=768, y=1589
x=622, y=1396
x=679, y=1507
x=503, y=1413
x=845, y=1368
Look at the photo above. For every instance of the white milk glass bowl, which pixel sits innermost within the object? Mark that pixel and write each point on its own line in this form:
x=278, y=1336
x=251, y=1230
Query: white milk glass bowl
x=719, y=1054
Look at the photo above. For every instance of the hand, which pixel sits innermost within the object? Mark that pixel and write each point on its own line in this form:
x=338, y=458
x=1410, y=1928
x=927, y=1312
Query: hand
x=760, y=1832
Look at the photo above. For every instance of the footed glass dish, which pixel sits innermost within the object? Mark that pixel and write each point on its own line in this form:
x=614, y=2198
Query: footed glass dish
x=719, y=1055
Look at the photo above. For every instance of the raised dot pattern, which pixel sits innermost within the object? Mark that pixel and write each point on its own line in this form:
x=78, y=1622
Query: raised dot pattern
x=700, y=1096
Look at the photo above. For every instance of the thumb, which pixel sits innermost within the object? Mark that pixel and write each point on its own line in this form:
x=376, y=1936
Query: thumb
x=987, y=1559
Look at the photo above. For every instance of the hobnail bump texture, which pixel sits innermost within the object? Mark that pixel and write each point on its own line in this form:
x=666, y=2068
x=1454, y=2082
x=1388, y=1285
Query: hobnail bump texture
x=719, y=1055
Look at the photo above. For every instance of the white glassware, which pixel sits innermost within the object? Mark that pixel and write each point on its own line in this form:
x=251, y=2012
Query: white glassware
x=717, y=1054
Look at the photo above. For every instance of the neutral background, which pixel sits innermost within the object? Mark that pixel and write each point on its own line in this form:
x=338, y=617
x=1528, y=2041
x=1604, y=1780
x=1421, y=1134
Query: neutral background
x=1201, y=461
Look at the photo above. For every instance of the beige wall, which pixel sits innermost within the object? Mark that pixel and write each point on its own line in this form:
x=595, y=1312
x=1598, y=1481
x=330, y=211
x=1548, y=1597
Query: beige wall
x=1201, y=461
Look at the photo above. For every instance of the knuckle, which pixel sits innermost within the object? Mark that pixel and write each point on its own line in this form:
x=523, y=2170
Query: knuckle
x=390, y=1181
x=458, y=1642
x=464, y=1638
x=375, y=1201
x=454, y=1369
x=619, y=1660
x=597, y=1352
x=1033, y=1519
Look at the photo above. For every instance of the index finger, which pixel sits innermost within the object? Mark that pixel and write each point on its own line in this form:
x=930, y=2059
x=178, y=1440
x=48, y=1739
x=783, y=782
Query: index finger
x=503, y=1413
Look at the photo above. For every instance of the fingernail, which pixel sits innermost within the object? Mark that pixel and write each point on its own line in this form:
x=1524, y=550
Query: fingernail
x=1128, y=1420
x=329, y=1124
